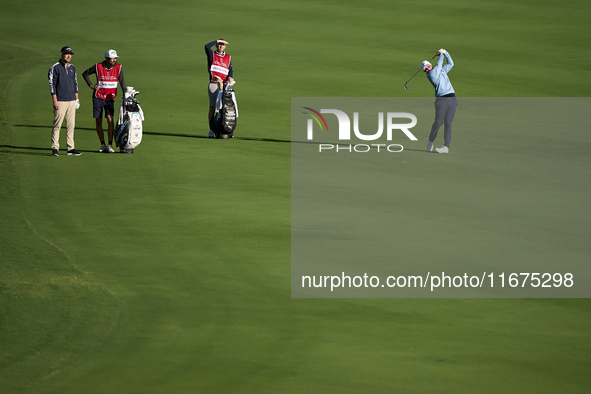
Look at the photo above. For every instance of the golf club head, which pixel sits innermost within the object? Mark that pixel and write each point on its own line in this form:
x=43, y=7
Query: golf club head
x=405, y=88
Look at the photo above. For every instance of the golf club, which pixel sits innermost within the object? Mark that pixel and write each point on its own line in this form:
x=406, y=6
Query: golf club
x=420, y=69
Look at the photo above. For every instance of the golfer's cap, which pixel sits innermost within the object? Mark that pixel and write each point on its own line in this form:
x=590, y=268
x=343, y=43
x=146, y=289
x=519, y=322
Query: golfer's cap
x=424, y=64
x=111, y=54
x=67, y=50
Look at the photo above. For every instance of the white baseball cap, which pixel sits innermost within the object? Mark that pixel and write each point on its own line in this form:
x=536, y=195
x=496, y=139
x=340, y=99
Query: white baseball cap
x=424, y=64
x=111, y=54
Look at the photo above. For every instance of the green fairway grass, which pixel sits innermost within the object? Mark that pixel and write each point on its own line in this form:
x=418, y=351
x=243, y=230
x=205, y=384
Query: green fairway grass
x=168, y=271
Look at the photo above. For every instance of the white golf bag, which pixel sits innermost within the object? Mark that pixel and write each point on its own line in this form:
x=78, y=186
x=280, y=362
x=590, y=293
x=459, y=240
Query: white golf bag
x=128, y=133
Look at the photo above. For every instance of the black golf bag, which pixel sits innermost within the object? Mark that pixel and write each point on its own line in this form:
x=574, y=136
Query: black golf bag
x=128, y=133
x=224, y=121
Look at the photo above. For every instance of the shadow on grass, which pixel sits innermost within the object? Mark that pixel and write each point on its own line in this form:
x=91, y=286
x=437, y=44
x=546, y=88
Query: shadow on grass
x=418, y=150
x=205, y=137
x=260, y=140
x=49, y=127
x=22, y=150
x=161, y=134
x=11, y=149
x=192, y=136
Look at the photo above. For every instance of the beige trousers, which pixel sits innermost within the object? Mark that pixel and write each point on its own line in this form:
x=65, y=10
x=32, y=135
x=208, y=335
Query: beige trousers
x=67, y=112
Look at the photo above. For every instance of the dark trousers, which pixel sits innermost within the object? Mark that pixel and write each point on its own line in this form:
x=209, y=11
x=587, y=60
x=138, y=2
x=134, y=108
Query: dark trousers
x=445, y=109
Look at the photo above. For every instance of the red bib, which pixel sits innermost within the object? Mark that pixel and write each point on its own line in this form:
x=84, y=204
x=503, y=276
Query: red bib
x=220, y=66
x=107, y=81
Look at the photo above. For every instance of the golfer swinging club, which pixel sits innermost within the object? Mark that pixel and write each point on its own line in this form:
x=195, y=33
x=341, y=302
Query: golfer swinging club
x=445, y=102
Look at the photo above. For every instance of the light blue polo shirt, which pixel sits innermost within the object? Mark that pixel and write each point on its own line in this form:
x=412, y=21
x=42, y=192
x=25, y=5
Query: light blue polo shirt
x=438, y=76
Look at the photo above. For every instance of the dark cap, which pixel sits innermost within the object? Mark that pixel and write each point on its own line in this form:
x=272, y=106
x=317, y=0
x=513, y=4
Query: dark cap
x=67, y=50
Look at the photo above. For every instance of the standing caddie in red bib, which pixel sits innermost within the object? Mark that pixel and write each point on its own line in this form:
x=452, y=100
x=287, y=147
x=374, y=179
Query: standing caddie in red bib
x=108, y=74
x=219, y=66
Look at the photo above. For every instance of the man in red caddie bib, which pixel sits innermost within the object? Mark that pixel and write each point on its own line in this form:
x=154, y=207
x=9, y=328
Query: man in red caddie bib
x=219, y=65
x=108, y=74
